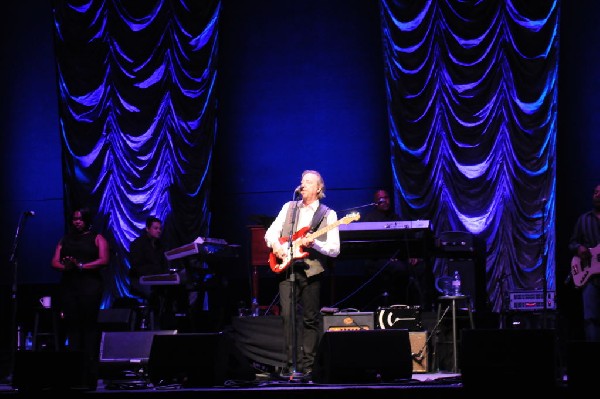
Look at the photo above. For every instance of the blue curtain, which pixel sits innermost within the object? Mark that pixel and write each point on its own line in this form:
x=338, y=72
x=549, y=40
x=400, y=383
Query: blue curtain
x=137, y=109
x=472, y=100
x=472, y=104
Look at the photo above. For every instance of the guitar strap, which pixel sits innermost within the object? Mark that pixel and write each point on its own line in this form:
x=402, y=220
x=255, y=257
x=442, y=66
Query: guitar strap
x=318, y=217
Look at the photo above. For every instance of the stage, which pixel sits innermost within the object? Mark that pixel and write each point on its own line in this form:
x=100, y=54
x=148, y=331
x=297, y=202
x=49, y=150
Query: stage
x=421, y=385
x=246, y=359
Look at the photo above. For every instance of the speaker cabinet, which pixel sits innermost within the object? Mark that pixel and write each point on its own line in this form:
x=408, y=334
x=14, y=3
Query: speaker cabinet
x=45, y=371
x=124, y=352
x=115, y=319
x=363, y=356
x=509, y=359
x=582, y=374
x=197, y=360
x=419, y=351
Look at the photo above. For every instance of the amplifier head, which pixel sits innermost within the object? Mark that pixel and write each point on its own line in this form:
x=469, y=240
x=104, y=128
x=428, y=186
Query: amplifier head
x=400, y=316
x=349, y=321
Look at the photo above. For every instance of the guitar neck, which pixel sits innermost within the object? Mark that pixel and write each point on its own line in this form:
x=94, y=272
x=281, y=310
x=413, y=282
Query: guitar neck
x=324, y=230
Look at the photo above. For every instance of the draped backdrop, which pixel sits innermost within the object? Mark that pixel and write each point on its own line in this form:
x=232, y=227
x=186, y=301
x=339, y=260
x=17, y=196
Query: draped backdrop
x=137, y=116
x=471, y=97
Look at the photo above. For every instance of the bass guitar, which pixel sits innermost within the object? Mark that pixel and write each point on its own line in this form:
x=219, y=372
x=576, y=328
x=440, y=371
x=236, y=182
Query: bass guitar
x=297, y=251
x=582, y=271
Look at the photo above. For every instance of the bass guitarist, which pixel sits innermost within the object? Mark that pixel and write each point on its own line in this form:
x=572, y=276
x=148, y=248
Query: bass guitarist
x=304, y=272
x=583, y=245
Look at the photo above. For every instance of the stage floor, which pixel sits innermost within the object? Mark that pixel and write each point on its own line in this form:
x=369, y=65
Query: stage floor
x=421, y=385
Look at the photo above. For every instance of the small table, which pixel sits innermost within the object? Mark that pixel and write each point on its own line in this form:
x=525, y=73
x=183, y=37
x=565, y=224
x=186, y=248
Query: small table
x=449, y=302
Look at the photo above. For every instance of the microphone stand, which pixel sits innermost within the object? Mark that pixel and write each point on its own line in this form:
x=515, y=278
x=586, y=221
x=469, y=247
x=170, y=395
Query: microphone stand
x=295, y=375
x=503, y=308
x=359, y=207
x=13, y=298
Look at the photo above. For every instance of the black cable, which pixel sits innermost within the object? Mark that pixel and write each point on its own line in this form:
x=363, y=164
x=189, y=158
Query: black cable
x=369, y=280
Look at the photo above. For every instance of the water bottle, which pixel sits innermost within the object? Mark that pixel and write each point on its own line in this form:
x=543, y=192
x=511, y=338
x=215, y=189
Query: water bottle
x=254, y=309
x=456, y=283
x=29, y=341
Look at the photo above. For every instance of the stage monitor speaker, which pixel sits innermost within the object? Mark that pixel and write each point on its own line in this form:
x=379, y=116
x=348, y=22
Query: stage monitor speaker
x=48, y=371
x=364, y=356
x=197, y=360
x=582, y=374
x=122, y=353
x=508, y=359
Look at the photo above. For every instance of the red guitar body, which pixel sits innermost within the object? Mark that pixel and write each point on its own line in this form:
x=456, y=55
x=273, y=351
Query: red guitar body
x=279, y=265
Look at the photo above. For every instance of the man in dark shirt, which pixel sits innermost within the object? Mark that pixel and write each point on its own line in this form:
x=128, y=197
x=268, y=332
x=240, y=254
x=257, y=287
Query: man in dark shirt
x=148, y=258
x=383, y=211
x=585, y=246
x=147, y=252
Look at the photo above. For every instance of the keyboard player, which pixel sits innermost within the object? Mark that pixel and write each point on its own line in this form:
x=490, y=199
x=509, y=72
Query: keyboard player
x=147, y=258
x=400, y=281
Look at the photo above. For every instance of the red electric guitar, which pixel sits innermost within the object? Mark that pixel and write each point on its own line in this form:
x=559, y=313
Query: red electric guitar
x=278, y=265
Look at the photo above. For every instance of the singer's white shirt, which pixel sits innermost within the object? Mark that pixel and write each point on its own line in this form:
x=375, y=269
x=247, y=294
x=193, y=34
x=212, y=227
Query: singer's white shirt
x=329, y=247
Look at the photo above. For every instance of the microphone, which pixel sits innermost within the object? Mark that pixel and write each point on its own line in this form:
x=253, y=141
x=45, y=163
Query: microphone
x=29, y=213
x=379, y=202
x=544, y=200
x=298, y=189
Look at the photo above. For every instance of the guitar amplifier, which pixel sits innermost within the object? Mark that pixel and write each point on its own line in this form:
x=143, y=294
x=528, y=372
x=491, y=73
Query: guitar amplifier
x=349, y=321
x=400, y=316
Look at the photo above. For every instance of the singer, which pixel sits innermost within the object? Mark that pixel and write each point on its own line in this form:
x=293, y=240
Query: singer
x=300, y=284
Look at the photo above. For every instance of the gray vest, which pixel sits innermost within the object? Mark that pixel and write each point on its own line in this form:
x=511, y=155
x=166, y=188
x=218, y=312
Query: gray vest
x=315, y=261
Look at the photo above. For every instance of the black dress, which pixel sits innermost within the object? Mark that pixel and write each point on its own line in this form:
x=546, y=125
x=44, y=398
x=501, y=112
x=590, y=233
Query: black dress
x=81, y=298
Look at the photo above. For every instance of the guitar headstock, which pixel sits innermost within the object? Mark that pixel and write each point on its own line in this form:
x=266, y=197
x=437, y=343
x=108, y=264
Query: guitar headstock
x=351, y=217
